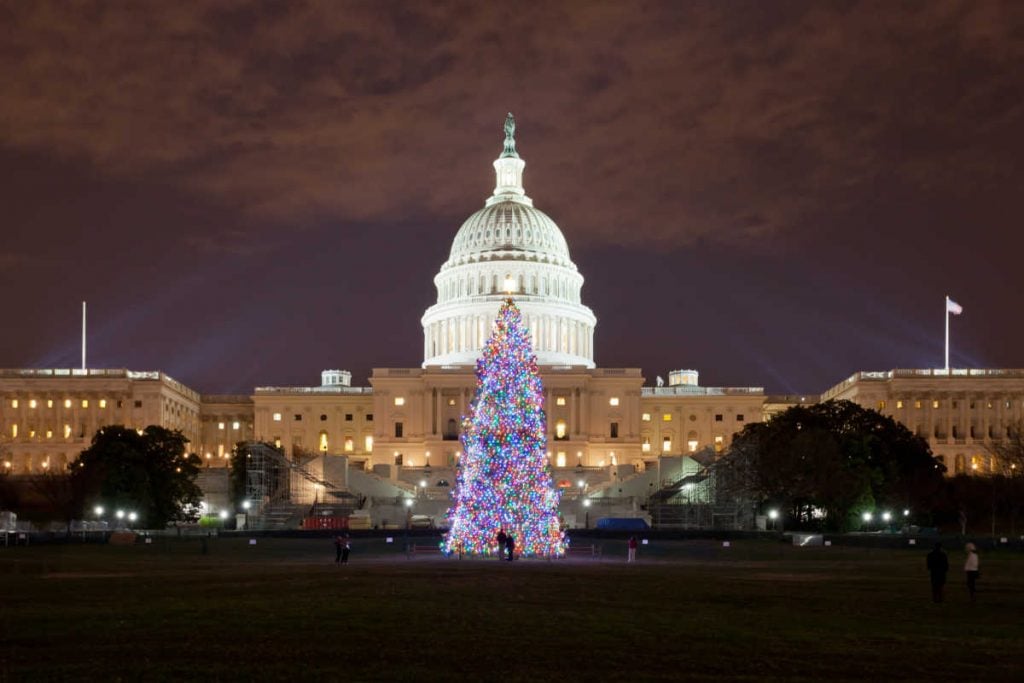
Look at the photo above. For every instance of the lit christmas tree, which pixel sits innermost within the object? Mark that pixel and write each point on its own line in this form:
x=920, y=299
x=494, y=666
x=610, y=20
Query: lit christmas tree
x=503, y=480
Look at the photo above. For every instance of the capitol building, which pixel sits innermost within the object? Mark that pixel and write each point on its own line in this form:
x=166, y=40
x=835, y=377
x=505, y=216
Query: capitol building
x=612, y=432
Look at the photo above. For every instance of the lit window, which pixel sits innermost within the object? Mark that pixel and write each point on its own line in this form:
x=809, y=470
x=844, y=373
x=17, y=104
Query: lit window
x=103, y=403
x=220, y=425
x=220, y=451
x=67, y=403
x=560, y=429
x=719, y=444
x=323, y=441
x=277, y=442
x=917, y=404
x=14, y=403
x=399, y=400
x=646, y=417
x=560, y=459
x=368, y=444
x=560, y=401
x=613, y=401
x=646, y=446
x=666, y=445
x=935, y=404
x=49, y=433
x=451, y=401
x=611, y=458
x=667, y=417
x=49, y=403
x=32, y=403
x=692, y=445
x=349, y=444
x=31, y=433
x=881, y=405
x=277, y=417
x=14, y=431
x=85, y=403
x=67, y=431
x=899, y=404
x=235, y=425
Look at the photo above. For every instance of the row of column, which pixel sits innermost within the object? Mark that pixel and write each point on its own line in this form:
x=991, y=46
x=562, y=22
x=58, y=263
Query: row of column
x=549, y=333
x=531, y=285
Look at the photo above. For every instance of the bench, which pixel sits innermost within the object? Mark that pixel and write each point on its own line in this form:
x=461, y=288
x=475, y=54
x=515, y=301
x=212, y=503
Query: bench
x=422, y=549
x=591, y=550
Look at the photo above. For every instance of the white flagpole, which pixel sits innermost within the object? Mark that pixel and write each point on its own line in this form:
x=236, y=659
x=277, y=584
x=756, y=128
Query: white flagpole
x=83, y=335
x=947, y=334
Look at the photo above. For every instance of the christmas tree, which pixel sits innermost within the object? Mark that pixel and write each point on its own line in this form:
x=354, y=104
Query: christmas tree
x=504, y=481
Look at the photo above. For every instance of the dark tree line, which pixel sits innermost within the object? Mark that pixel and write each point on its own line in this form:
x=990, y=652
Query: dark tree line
x=825, y=464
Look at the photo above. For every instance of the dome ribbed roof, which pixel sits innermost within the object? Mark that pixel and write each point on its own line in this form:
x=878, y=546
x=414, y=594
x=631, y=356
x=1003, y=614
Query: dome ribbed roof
x=510, y=226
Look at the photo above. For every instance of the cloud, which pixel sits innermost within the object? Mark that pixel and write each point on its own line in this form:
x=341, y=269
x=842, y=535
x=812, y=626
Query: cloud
x=653, y=122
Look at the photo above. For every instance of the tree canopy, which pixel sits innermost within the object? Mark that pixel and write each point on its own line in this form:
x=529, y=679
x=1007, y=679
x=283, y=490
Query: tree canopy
x=148, y=472
x=830, y=462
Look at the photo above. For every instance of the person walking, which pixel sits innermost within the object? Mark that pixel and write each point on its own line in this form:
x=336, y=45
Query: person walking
x=338, y=545
x=501, y=542
x=631, y=556
x=971, y=568
x=346, y=547
x=938, y=566
x=510, y=546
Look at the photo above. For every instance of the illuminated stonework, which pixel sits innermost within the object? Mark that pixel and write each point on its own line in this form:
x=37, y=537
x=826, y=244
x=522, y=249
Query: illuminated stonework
x=509, y=246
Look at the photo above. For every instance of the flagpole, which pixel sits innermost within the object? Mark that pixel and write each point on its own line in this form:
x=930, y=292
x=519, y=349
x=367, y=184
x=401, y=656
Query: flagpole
x=83, y=335
x=947, y=334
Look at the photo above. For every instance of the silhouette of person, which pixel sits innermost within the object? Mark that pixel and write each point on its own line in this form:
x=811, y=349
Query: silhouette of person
x=510, y=546
x=502, y=538
x=938, y=566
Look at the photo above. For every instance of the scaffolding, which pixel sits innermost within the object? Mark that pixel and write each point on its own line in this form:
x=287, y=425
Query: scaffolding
x=278, y=487
x=694, y=501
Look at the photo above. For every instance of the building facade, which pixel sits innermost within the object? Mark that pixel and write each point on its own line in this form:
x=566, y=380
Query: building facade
x=599, y=419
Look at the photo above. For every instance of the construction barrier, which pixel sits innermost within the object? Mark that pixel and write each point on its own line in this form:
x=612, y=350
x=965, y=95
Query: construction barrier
x=325, y=523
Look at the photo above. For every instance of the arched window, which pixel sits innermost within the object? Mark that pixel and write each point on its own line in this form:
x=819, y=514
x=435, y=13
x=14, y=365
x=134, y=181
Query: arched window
x=961, y=464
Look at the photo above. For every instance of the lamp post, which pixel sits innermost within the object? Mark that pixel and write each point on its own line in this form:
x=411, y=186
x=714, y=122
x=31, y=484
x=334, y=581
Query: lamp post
x=773, y=515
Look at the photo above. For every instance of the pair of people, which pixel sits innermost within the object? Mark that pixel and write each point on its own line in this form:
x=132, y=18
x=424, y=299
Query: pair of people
x=341, y=549
x=938, y=567
x=506, y=544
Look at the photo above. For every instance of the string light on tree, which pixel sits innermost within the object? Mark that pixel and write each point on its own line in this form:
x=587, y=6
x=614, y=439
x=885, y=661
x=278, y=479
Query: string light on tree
x=504, y=478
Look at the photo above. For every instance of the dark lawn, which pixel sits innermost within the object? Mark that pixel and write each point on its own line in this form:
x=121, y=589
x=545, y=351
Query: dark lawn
x=281, y=610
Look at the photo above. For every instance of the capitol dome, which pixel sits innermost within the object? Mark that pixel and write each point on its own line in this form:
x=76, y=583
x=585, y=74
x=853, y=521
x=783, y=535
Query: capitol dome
x=509, y=246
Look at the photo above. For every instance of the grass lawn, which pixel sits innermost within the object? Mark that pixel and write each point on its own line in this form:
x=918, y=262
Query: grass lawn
x=282, y=610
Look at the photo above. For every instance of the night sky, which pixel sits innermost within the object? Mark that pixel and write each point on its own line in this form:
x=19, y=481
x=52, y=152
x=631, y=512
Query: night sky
x=777, y=194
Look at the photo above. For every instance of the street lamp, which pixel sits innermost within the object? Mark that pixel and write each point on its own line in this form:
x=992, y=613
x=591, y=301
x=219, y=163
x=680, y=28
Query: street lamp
x=246, y=505
x=132, y=516
x=773, y=515
x=98, y=510
x=886, y=516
